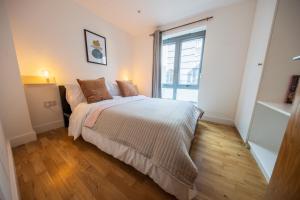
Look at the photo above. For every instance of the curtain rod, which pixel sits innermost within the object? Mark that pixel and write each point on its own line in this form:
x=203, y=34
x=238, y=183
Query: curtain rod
x=200, y=20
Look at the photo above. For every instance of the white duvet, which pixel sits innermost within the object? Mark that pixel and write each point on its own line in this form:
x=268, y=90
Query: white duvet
x=156, y=134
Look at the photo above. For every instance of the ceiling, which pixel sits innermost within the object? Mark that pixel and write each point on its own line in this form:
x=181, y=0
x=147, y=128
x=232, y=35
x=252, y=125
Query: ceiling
x=124, y=13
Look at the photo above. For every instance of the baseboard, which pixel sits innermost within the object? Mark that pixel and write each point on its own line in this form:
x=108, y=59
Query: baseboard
x=218, y=120
x=12, y=174
x=48, y=126
x=23, y=139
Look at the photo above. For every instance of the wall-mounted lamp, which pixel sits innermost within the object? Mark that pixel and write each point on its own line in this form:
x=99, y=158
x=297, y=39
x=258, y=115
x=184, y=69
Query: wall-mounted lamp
x=125, y=78
x=46, y=75
x=44, y=78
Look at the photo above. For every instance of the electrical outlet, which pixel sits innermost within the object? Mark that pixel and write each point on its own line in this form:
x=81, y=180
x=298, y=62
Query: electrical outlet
x=49, y=104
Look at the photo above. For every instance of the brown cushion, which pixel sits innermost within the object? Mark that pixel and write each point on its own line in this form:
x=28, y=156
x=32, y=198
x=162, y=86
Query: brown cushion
x=127, y=88
x=94, y=90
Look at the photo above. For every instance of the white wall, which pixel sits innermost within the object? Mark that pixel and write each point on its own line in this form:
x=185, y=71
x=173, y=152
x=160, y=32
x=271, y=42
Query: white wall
x=284, y=45
x=227, y=40
x=261, y=32
x=224, y=59
x=48, y=34
x=13, y=108
x=142, y=67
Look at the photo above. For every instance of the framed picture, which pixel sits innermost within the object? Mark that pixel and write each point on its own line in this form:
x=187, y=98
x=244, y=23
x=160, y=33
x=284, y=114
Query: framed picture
x=95, y=48
x=292, y=89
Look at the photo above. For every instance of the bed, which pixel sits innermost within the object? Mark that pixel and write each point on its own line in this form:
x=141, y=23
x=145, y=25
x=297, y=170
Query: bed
x=152, y=135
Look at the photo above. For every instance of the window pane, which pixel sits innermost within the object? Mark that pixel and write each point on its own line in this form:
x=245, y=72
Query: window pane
x=167, y=93
x=190, y=60
x=187, y=95
x=168, y=59
x=181, y=66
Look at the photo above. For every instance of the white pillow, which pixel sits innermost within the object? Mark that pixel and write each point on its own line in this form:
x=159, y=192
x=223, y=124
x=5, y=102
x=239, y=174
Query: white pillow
x=113, y=88
x=74, y=95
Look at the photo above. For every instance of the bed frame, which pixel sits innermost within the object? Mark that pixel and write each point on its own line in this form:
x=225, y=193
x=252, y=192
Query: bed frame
x=65, y=105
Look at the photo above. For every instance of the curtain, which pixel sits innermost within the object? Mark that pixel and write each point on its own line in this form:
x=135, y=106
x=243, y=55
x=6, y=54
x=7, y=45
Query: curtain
x=156, y=72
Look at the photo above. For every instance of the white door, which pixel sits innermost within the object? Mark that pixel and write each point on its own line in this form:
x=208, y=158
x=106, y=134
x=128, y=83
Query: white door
x=261, y=32
x=5, y=192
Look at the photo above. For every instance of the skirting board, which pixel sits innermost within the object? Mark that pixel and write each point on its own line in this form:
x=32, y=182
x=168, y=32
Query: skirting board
x=218, y=120
x=23, y=139
x=48, y=126
x=12, y=174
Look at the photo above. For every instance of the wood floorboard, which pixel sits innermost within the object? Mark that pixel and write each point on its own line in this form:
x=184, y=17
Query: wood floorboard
x=56, y=167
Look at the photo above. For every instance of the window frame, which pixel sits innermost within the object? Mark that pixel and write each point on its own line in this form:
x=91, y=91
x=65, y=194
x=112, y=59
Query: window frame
x=177, y=59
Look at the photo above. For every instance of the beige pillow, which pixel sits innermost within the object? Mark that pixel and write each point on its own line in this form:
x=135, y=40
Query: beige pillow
x=94, y=90
x=127, y=88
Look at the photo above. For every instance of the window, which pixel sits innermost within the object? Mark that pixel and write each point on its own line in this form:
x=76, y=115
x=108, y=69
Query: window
x=181, y=66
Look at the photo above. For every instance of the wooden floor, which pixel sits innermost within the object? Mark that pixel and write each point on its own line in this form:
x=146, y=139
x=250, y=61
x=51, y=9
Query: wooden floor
x=56, y=167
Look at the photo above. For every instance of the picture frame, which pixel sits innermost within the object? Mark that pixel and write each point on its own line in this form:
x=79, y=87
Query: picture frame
x=292, y=89
x=95, y=46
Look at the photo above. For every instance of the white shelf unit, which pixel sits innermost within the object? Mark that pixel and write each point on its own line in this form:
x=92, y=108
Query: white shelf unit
x=268, y=70
x=264, y=158
x=266, y=133
x=283, y=108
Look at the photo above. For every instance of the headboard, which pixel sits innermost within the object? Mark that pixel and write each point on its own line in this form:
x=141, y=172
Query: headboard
x=65, y=105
